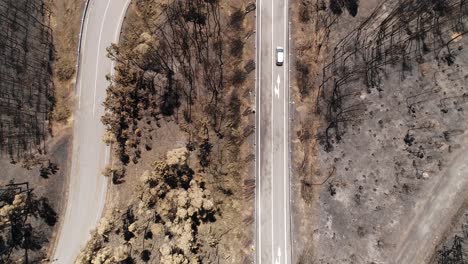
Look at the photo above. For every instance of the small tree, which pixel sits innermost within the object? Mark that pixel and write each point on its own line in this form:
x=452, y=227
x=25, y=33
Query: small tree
x=19, y=234
x=204, y=153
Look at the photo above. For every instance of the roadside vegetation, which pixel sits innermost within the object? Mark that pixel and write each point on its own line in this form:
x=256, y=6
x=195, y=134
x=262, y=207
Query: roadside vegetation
x=170, y=219
x=24, y=221
x=179, y=119
x=179, y=68
x=65, y=24
x=380, y=124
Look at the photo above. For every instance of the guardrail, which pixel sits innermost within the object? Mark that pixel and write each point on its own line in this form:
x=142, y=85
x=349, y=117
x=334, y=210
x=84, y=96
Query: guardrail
x=78, y=50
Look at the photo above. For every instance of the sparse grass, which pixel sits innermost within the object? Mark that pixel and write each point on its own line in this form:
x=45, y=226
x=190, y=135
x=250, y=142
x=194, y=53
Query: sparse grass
x=66, y=22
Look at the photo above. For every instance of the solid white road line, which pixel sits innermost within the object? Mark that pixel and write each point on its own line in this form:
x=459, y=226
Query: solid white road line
x=286, y=129
x=99, y=51
x=259, y=80
x=106, y=155
x=117, y=32
x=83, y=48
x=271, y=140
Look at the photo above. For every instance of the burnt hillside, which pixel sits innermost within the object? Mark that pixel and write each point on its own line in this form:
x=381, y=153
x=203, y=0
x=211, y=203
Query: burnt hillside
x=26, y=94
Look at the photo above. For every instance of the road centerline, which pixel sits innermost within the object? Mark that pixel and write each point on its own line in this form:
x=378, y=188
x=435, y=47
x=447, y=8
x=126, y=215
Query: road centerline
x=97, y=60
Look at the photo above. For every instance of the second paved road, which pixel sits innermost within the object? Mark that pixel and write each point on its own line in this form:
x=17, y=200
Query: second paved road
x=272, y=149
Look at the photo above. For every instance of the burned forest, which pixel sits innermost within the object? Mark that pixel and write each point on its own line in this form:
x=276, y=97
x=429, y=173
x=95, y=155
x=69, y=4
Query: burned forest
x=24, y=221
x=380, y=129
x=415, y=31
x=26, y=92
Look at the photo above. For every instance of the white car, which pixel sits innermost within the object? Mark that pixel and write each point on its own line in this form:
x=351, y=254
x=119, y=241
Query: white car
x=279, y=56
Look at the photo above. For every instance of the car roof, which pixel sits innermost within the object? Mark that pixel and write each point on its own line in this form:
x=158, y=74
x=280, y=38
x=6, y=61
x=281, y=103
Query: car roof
x=280, y=57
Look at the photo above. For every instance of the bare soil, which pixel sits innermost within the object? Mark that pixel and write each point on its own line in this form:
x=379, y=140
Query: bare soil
x=391, y=183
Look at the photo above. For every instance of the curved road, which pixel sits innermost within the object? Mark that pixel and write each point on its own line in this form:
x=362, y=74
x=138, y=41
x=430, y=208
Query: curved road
x=87, y=189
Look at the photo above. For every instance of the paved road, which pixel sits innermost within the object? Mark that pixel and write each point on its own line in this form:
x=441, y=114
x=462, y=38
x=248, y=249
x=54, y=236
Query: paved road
x=87, y=190
x=272, y=135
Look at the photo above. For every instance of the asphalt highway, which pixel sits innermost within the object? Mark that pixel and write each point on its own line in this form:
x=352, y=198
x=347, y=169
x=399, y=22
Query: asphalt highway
x=273, y=242
x=87, y=189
